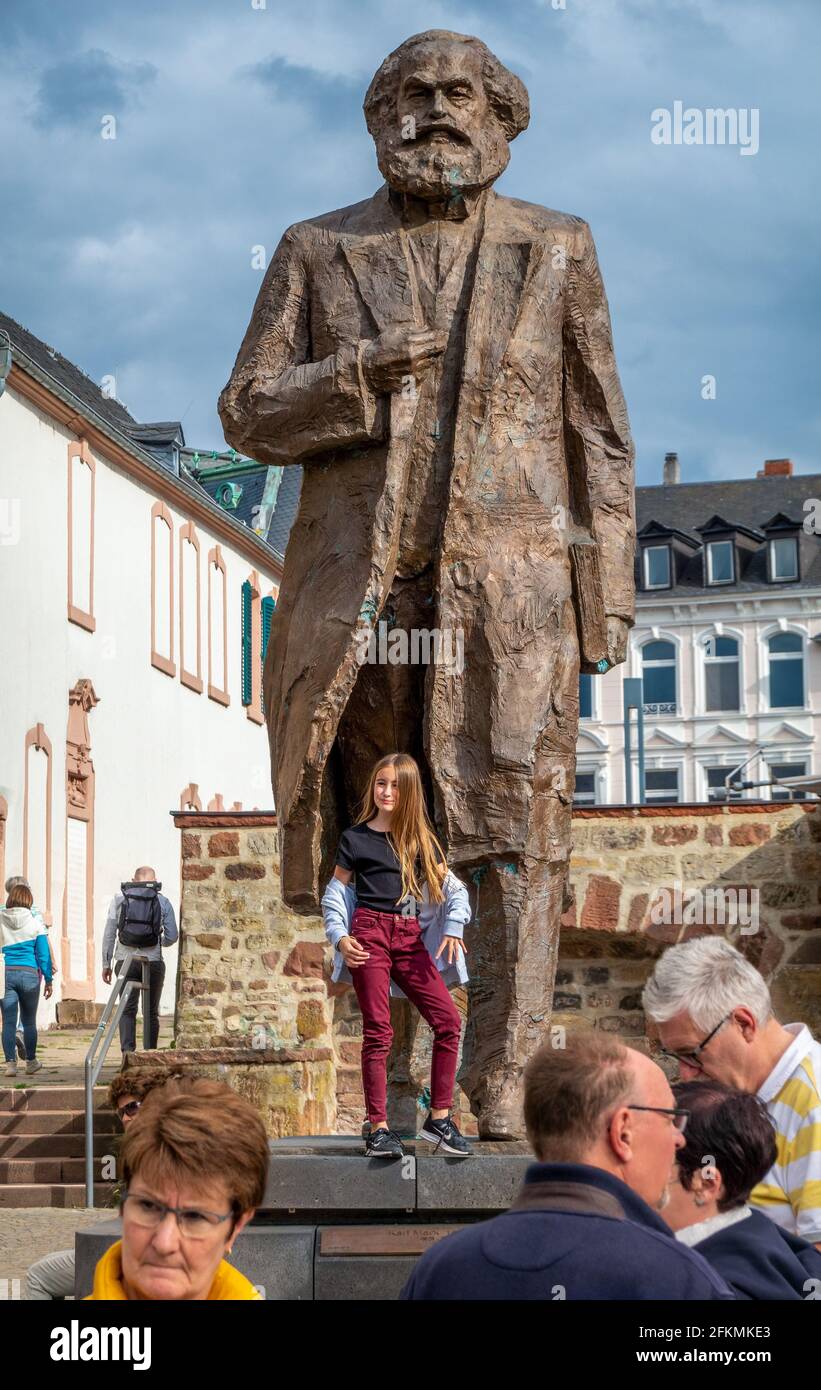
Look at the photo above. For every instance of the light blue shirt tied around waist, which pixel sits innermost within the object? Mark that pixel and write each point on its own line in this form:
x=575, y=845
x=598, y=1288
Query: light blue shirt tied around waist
x=112, y=943
x=436, y=920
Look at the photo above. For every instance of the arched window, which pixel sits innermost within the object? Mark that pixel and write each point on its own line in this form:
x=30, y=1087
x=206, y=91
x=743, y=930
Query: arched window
x=190, y=636
x=786, y=653
x=81, y=481
x=4, y=812
x=162, y=589
x=658, y=663
x=37, y=818
x=722, y=685
x=217, y=628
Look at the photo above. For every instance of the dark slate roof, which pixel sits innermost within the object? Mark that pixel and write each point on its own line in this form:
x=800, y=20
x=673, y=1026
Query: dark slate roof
x=69, y=376
x=152, y=440
x=748, y=503
x=286, y=508
x=158, y=432
x=252, y=485
x=250, y=499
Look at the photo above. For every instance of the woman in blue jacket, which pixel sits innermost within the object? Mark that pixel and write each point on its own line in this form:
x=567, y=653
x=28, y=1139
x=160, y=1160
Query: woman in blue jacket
x=729, y=1144
x=26, y=956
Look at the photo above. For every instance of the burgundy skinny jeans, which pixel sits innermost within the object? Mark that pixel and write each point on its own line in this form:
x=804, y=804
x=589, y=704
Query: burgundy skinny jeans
x=397, y=952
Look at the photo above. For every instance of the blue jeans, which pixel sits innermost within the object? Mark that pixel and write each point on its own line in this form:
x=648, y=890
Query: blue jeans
x=23, y=989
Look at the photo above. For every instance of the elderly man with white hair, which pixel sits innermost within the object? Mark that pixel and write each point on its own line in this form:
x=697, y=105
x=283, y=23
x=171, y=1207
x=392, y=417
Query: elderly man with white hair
x=714, y=1015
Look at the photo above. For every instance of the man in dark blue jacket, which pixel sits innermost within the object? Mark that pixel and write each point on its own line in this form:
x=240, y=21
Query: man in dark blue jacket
x=603, y=1123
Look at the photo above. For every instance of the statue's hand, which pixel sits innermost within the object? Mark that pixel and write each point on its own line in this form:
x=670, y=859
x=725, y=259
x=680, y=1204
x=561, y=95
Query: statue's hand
x=398, y=354
x=618, y=633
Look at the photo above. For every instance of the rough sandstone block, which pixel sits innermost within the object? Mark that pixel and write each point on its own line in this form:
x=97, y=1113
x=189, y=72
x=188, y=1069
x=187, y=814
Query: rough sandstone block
x=610, y=836
x=236, y=872
x=596, y=975
x=674, y=834
x=629, y=1024
x=191, y=845
x=223, y=844
x=263, y=842
x=806, y=863
x=652, y=867
x=601, y=904
x=786, y=895
x=310, y=1019
x=197, y=871
x=801, y=921
x=637, y=914
x=749, y=834
x=764, y=950
x=306, y=959
x=706, y=867
x=564, y=1001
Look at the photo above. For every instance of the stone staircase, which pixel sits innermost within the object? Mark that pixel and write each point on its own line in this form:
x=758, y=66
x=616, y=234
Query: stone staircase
x=42, y=1146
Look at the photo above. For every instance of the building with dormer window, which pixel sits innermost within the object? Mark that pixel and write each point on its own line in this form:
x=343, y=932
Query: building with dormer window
x=726, y=641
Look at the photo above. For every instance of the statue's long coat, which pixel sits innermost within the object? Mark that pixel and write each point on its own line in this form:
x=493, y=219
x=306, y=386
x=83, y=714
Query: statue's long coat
x=541, y=446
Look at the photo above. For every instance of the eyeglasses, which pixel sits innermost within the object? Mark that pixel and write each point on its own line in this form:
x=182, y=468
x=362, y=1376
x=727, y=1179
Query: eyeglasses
x=679, y=1117
x=692, y=1057
x=129, y=1110
x=149, y=1214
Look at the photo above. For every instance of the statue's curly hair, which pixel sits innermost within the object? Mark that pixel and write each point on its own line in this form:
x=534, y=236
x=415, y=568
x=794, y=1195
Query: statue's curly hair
x=506, y=93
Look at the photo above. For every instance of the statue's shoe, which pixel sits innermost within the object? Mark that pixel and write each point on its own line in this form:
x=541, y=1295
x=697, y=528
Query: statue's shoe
x=500, y=1126
x=499, y=1114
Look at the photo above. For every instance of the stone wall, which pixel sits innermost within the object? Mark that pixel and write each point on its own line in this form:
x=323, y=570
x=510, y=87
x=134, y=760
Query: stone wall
x=761, y=861
x=255, y=978
x=252, y=997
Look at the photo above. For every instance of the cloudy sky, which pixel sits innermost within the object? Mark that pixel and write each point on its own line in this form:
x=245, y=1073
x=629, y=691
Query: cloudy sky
x=234, y=118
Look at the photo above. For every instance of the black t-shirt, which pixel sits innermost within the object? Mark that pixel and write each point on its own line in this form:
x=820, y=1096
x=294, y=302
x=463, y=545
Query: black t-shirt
x=377, y=871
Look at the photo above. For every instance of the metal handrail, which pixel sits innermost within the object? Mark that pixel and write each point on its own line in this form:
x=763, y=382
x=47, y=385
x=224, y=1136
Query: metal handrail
x=109, y=1020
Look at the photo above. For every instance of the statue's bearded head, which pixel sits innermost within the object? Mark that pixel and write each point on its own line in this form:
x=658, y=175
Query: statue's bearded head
x=442, y=111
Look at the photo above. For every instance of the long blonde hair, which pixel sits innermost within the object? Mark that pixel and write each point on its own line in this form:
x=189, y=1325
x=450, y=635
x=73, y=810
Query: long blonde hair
x=411, y=832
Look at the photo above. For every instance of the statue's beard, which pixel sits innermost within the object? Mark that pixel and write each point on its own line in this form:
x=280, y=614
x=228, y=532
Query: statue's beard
x=443, y=169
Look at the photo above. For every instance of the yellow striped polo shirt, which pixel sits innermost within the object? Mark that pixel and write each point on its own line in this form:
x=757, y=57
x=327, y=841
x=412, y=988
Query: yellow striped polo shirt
x=791, y=1192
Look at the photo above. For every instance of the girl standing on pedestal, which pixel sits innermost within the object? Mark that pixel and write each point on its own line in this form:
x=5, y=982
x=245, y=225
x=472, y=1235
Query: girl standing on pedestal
x=394, y=912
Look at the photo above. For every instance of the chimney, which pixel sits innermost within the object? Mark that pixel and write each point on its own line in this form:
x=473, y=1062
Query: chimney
x=672, y=472
x=776, y=468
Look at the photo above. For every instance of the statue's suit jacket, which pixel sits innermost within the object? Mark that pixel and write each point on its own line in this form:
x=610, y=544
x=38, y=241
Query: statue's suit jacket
x=541, y=449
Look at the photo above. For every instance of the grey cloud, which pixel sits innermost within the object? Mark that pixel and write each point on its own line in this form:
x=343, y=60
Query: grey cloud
x=79, y=91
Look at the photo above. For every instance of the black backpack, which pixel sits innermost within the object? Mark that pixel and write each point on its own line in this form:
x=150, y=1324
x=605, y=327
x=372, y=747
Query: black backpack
x=140, y=924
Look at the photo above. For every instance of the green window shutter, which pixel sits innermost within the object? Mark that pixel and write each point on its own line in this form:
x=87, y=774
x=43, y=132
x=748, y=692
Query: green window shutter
x=247, y=636
x=268, y=606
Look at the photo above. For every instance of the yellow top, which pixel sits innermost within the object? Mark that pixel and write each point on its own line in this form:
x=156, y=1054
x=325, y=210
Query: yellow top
x=108, y=1280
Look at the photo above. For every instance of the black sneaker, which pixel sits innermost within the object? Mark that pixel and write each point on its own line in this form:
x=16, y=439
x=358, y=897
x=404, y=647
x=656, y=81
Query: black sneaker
x=445, y=1135
x=383, y=1143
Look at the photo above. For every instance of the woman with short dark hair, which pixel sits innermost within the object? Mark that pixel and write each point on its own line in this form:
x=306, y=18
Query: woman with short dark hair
x=194, y=1164
x=729, y=1144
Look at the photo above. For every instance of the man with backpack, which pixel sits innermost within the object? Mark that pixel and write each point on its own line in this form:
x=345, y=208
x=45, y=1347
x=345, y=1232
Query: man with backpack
x=140, y=919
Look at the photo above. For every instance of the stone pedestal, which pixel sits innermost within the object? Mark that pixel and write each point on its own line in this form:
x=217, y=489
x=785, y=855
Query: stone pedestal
x=335, y=1225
